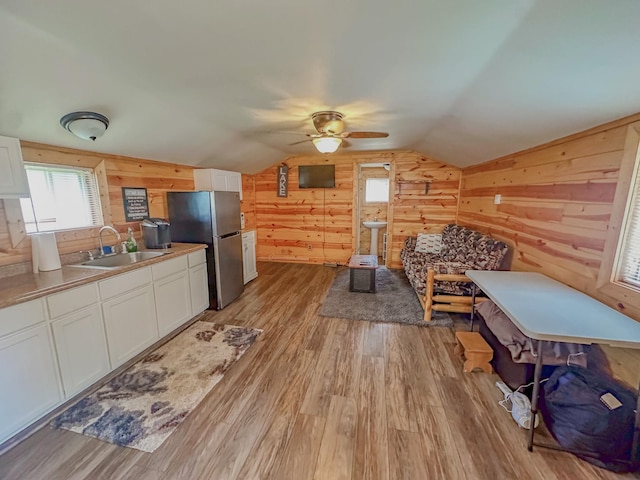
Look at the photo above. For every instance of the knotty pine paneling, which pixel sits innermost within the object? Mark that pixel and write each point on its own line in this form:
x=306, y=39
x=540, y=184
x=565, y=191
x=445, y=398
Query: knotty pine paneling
x=317, y=225
x=310, y=225
x=248, y=203
x=156, y=177
x=413, y=211
x=555, y=208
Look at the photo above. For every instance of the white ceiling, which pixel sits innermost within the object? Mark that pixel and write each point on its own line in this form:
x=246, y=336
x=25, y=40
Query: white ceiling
x=219, y=83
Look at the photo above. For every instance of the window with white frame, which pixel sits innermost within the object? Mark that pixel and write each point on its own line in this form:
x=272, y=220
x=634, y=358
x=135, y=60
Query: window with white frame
x=376, y=190
x=62, y=198
x=628, y=267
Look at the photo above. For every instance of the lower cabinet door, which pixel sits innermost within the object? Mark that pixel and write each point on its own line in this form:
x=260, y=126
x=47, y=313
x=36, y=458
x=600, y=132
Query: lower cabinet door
x=30, y=384
x=199, y=282
x=82, y=349
x=130, y=322
x=173, y=302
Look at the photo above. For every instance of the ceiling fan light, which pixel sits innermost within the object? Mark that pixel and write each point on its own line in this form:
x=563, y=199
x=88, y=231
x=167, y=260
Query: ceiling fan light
x=327, y=144
x=85, y=125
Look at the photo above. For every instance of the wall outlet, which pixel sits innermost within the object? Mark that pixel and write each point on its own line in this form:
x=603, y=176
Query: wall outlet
x=242, y=220
x=497, y=199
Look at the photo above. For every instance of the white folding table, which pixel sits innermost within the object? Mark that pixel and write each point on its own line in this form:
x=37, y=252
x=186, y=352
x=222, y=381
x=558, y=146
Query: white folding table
x=547, y=310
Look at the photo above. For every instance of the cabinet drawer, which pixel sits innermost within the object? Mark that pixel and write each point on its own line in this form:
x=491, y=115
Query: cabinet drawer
x=169, y=267
x=21, y=316
x=123, y=283
x=197, y=258
x=72, y=300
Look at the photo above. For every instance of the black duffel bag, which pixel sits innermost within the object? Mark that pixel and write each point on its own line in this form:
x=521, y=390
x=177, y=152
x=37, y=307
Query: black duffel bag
x=579, y=419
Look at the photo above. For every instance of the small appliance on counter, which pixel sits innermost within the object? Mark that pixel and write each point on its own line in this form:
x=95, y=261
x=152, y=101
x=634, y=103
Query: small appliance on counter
x=44, y=252
x=156, y=233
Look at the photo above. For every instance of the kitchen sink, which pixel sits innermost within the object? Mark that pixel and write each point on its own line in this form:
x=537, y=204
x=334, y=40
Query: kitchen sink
x=118, y=260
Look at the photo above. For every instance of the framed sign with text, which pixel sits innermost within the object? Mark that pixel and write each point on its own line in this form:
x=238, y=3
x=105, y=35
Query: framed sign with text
x=136, y=205
x=283, y=181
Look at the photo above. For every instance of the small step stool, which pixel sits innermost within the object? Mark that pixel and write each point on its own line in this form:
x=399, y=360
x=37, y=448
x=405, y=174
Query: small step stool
x=476, y=351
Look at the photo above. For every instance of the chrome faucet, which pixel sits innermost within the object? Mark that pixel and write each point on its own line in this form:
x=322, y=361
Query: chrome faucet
x=107, y=227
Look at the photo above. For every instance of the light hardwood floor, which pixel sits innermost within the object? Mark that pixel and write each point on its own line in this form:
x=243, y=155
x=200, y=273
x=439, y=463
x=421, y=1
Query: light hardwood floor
x=321, y=398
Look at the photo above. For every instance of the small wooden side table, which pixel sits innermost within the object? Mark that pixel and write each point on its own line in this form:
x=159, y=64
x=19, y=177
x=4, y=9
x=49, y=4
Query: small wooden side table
x=362, y=273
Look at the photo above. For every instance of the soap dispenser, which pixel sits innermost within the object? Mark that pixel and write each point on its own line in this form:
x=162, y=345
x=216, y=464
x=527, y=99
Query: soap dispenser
x=131, y=244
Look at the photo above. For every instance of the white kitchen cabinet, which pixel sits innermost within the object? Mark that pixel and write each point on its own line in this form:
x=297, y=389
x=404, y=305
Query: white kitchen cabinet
x=95, y=328
x=198, y=282
x=130, y=323
x=214, y=180
x=173, y=298
x=29, y=378
x=249, y=267
x=81, y=347
x=13, y=177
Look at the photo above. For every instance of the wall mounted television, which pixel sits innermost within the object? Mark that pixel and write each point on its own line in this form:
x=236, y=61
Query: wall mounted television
x=317, y=176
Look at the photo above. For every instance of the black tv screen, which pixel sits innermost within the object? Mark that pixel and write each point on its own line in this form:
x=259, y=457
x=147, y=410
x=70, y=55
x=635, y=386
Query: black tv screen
x=317, y=176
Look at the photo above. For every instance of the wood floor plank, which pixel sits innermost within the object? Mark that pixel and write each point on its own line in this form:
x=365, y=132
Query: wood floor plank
x=401, y=412
x=279, y=427
x=374, y=340
x=371, y=459
x=405, y=409
x=407, y=459
x=301, y=455
x=335, y=458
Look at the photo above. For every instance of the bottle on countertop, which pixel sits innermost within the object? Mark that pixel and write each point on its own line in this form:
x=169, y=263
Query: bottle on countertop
x=131, y=244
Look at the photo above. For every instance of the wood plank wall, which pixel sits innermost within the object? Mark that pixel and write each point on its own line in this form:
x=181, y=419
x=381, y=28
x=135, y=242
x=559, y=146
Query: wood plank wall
x=317, y=225
x=310, y=225
x=414, y=210
x=248, y=203
x=556, y=203
x=156, y=177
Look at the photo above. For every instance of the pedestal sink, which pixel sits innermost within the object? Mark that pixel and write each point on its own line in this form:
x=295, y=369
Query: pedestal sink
x=374, y=226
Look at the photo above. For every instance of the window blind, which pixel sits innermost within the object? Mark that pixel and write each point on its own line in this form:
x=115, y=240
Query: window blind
x=61, y=198
x=629, y=271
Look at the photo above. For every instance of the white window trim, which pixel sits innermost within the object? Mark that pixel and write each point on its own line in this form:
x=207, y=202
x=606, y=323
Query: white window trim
x=17, y=230
x=70, y=168
x=388, y=189
x=623, y=293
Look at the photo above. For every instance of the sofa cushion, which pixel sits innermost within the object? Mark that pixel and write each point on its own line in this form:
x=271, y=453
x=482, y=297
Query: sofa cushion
x=482, y=252
x=428, y=243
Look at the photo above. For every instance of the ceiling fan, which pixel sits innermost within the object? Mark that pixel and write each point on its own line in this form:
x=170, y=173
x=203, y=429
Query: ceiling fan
x=331, y=134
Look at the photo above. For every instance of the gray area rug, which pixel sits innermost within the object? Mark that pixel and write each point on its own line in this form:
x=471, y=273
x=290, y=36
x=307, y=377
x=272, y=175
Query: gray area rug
x=142, y=406
x=394, y=301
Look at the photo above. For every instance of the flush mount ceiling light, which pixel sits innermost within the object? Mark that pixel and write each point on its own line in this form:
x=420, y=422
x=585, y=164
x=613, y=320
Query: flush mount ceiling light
x=327, y=144
x=85, y=125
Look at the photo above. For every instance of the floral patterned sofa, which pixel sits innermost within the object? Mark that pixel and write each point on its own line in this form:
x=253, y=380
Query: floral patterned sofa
x=462, y=249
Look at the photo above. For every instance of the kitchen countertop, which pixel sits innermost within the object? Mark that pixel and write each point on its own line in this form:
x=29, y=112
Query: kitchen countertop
x=29, y=286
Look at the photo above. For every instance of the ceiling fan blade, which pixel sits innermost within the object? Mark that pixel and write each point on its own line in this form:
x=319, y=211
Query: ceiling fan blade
x=365, y=134
x=345, y=144
x=301, y=141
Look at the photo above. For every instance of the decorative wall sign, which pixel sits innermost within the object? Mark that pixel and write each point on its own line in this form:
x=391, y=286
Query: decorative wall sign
x=283, y=181
x=136, y=205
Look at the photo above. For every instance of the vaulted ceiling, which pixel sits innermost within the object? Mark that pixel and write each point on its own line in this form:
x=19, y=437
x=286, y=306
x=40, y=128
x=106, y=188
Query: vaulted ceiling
x=230, y=84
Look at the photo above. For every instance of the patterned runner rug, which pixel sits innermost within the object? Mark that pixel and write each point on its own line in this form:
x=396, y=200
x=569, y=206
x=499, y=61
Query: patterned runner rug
x=142, y=406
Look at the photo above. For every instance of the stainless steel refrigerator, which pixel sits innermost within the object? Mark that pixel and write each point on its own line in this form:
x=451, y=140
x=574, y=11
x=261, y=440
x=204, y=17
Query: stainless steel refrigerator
x=212, y=218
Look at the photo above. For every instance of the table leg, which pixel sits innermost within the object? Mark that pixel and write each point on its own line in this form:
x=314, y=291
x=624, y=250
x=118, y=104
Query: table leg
x=535, y=395
x=473, y=304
